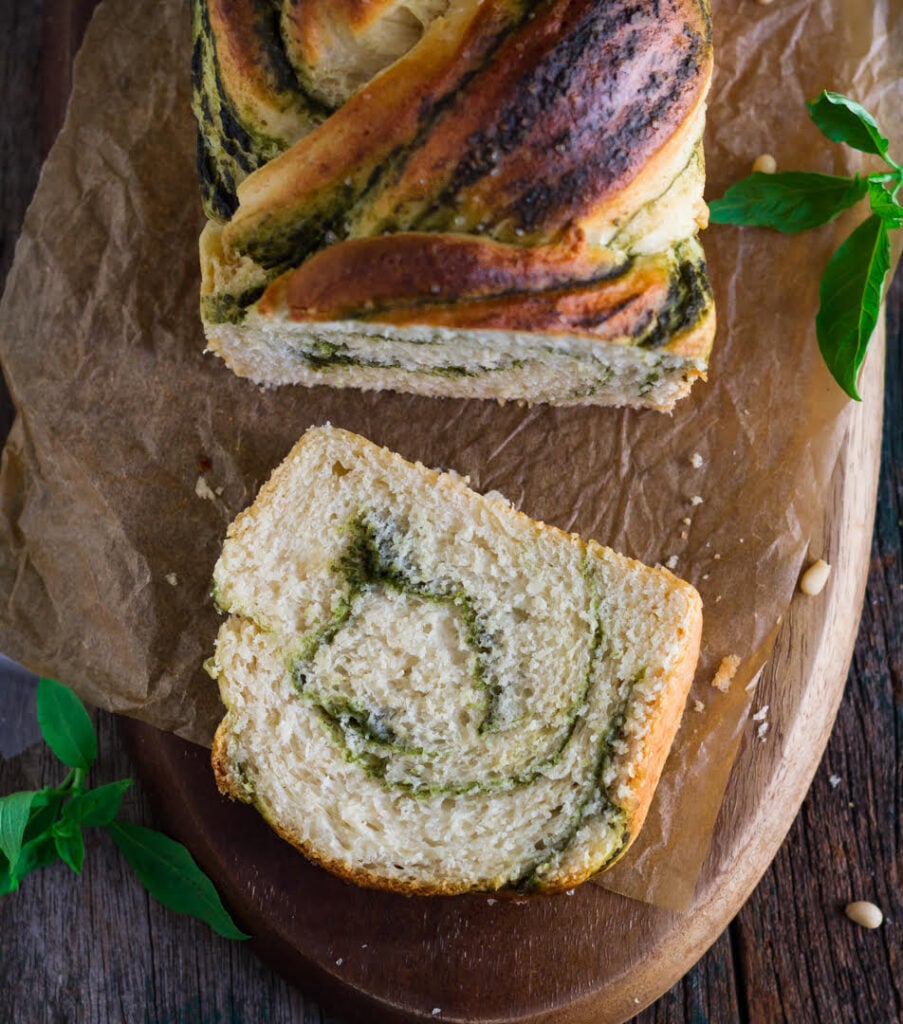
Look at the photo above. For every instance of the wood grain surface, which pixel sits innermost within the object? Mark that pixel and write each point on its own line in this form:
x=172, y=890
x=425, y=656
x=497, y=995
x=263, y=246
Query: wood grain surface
x=97, y=949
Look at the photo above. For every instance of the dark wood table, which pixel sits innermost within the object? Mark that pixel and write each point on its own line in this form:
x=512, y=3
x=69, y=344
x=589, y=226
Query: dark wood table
x=97, y=950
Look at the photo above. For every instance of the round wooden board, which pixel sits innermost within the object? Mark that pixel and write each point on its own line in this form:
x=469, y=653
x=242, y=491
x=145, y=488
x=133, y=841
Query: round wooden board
x=588, y=958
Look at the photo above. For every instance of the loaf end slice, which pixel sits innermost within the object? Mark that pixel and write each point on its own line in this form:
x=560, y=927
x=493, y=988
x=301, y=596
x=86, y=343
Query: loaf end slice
x=429, y=692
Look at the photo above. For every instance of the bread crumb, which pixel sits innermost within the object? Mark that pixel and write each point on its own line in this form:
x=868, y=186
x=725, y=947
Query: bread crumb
x=696, y=460
x=835, y=781
x=696, y=500
x=339, y=962
x=686, y=520
x=761, y=714
x=202, y=489
x=698, y=705
x=491, y=902
x=363, y=945
x=570, y=892
x=172, y=579
x=761, y=731
x=726, y=672
x=219, y=491
x=436, y=1011
x=672, y=562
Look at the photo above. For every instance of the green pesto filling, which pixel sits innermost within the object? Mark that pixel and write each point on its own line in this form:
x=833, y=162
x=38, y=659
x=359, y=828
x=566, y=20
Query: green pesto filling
x=379, y=554
x=595, y=797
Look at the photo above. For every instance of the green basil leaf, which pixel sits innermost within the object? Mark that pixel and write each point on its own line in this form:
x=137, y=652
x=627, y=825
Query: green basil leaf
x=169, y=873
x=97, y=807
x=790, y=202
x=14, y=812
x=8, y=882
x=884, y=204
x=65, y=725
x=844, y=120
x=69, y=843
x=37, y=853
x=850, y=294
x=44, y=811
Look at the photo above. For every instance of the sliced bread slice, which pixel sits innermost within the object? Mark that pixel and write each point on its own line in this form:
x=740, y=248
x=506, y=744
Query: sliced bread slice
x=428, y=691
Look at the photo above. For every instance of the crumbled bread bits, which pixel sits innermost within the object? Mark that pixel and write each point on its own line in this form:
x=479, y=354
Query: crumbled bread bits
x=726, y=672
x=570, y=892
x=491, y=902
x=761, y=714
x=672, y=562
x=684, y=535
x=202, y=489
x=834, y=781
x=339, y=962
x=436, y=1011
x=766, y=163
x=698, y=705
x=762, y=731
x=686, y=520
x=172, y=579
x=696, y=460
x=696, y=500
x=864, y=913
x=813, y=580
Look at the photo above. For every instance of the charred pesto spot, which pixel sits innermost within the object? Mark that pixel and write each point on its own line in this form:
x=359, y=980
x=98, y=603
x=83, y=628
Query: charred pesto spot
x=689, y=297
x=600, y=143
x=226, y=308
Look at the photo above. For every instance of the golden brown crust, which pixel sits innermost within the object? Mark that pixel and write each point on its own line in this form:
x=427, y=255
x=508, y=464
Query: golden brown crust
x=575, y=105
x=649, y=754
x=456, y=281
x=353, y=277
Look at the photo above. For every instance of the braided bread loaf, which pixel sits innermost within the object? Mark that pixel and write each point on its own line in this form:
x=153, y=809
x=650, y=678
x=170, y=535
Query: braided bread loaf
x=426, y=690
x=480, y=198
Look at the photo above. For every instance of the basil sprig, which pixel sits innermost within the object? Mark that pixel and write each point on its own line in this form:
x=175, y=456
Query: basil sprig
x=853, y=282
x=38, y=827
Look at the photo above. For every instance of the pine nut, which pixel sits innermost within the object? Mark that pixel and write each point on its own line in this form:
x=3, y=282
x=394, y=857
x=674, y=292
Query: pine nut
x=864, y=913
x=766, y=163
x=813, y=580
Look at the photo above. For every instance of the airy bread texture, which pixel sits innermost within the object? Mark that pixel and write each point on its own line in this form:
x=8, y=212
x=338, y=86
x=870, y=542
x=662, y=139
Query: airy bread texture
x=387, y=217
x=429, y=692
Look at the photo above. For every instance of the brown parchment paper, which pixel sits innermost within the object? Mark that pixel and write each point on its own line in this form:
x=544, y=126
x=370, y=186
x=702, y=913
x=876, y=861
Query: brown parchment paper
x=107, y=546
